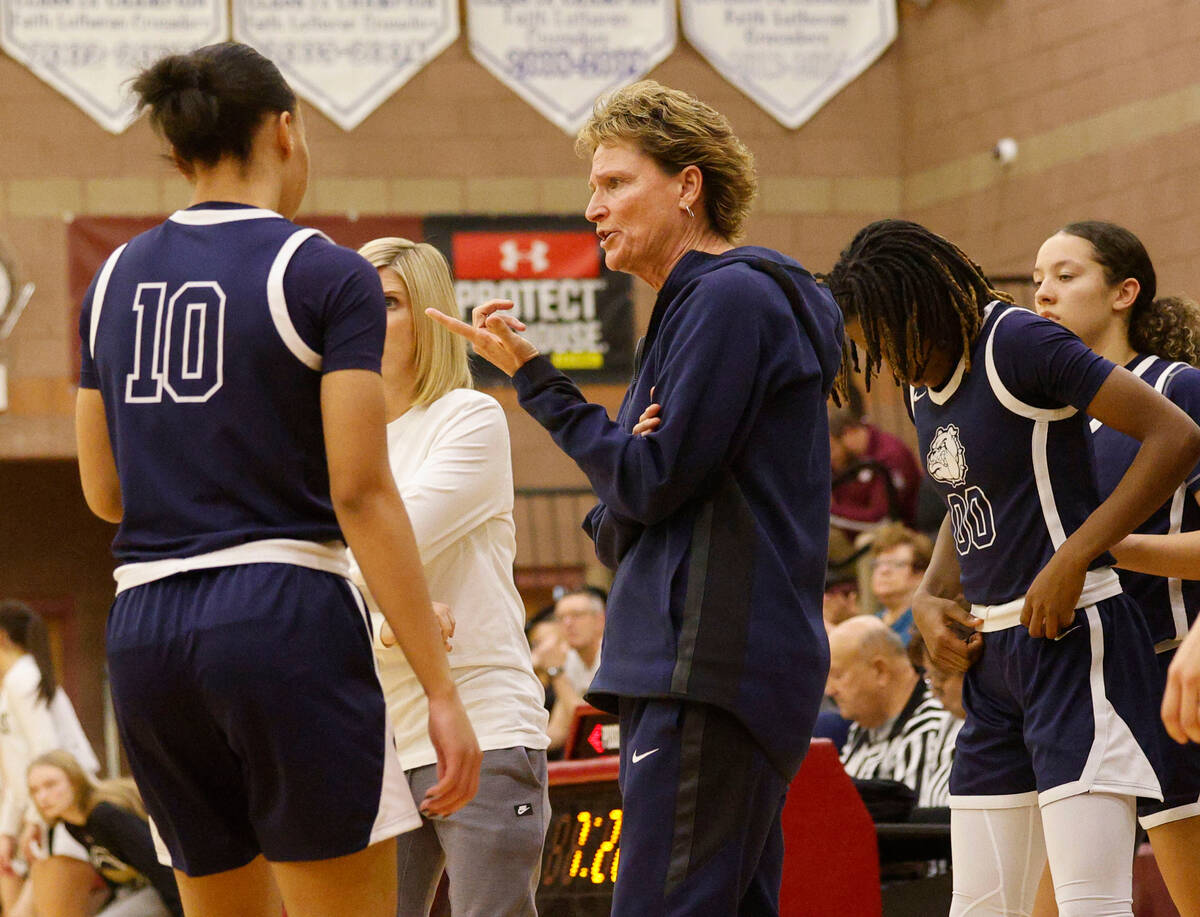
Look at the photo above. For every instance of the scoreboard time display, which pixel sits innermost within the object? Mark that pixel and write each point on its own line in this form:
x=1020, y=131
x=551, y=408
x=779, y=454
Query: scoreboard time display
x=582, y=852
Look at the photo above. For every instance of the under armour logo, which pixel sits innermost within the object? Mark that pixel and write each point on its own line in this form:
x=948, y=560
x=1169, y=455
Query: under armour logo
x=511, y=256
x=524, y=808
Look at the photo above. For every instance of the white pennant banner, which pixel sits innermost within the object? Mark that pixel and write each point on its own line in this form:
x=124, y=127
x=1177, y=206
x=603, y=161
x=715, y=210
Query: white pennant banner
x=347, y=56
x=89, y=49
x=790, y=56
x=559, y=55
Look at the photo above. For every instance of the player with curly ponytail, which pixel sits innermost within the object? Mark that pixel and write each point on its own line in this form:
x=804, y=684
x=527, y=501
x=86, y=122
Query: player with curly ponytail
x=1097, y=279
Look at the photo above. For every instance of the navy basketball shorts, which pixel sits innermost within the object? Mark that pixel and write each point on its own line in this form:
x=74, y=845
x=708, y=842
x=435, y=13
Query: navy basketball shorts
x=1048, y=719
x=249, y=706
x=702, y=806
x=1180, y=774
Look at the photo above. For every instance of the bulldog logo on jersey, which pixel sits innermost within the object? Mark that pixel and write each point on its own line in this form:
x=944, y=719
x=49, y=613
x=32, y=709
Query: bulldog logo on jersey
x=947, y=459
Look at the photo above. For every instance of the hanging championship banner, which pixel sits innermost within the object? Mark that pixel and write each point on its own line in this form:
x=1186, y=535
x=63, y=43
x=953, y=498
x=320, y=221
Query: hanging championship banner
x=88, y=49
x=790, y=56
x=576, y=311
x=559, y=55
x=347, y=56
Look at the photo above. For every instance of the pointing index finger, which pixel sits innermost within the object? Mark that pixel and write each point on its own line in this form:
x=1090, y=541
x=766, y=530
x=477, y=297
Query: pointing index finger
x=449, y=321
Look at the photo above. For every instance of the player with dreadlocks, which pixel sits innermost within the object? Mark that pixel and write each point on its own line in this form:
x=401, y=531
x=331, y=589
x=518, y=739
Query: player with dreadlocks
x=1056, y=747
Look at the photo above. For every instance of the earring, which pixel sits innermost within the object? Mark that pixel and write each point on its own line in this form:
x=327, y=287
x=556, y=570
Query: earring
x=691, y=215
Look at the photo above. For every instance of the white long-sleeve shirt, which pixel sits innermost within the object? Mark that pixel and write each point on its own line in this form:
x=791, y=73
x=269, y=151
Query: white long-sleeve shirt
x=30, y=727
x=453, y=466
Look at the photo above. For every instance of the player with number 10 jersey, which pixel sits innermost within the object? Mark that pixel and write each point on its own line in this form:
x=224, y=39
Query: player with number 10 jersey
x=205, y=329
x=230, y=417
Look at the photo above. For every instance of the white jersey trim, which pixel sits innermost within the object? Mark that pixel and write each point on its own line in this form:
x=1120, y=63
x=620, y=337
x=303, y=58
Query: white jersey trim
x=946, y=392
x=1175, y=519
x=1045, y=486
x=1139, y=370
x=397, y=810
x=1098, y=585
x=160, y=846
x=1179, y=813
x=1003, y=801
x=277, y=300
x=329, y=556
x=214, y=217
x=62, y=843
x=98, y=298
x=1007, y=398
x=1115, y=763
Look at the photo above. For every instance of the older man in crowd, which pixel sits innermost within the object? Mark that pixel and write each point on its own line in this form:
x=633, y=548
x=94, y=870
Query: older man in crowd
x=570, y=660
x=898, y=729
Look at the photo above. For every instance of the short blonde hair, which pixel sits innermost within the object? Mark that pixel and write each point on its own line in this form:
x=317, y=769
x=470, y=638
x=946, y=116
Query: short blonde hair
x=439, y=355
x=677, y=130
x=897, y=535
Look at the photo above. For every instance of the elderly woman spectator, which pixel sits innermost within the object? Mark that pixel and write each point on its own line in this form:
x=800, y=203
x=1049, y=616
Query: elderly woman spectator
x=449, y=453
x=897, y=558
x=714, y=488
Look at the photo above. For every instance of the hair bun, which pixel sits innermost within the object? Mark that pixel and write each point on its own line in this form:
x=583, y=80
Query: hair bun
x=209, y=103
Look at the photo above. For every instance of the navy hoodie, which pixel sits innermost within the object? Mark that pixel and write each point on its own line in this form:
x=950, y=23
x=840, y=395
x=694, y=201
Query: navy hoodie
x=717, y=524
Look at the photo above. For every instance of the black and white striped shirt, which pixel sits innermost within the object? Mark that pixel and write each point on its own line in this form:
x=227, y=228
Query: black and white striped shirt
x=916, y=748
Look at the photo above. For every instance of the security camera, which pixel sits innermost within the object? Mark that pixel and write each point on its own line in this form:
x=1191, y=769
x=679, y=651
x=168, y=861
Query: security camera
x=1005, y=151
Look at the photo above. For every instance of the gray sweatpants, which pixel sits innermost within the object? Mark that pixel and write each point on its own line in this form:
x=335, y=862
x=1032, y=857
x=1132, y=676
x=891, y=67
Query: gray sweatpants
x=491, y=848
x=144, y=902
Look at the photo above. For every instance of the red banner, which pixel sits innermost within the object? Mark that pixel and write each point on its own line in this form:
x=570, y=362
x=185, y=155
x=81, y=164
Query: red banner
x=492, y=255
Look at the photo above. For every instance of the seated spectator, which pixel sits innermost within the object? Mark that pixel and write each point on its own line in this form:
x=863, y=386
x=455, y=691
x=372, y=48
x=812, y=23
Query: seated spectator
x=840, y=604
x=567, y=659
x=841, y=596
x=35, y=716
x=543, y=631
x=898, y=557
x=581, y=614
x=107, y=821
x=875, y=474
x=897, y=727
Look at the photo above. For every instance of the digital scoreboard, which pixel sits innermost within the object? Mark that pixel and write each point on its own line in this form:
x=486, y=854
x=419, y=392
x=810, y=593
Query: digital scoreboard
x=831, y=864
x=583, y=844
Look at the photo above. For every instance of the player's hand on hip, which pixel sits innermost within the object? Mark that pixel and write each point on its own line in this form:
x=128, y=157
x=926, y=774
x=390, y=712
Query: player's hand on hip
x=445, y=619
x=949, y=629
x=458, y=757
x=493, y=334
x=649, y=421
x=1052, y=596
x=1181, y=699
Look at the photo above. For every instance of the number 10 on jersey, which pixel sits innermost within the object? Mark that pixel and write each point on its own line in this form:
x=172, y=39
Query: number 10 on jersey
x=179, y=342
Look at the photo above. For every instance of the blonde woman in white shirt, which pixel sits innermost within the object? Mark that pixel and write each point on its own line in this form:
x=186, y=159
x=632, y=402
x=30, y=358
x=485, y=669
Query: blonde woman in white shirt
x=35, y=717
x=449, y=450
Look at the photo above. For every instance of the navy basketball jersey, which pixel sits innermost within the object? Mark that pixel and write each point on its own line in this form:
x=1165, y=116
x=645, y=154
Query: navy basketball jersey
x=1006, y=445
x=1169, y=604
x=207, y=337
